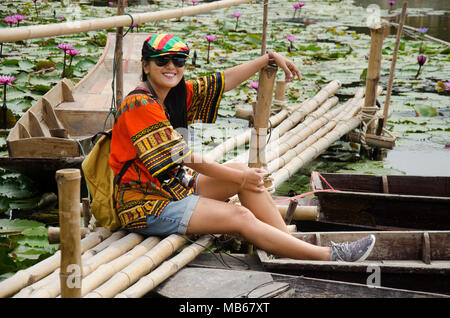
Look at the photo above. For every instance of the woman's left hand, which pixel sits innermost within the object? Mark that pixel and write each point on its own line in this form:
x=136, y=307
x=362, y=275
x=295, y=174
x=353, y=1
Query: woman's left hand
x=289, y=68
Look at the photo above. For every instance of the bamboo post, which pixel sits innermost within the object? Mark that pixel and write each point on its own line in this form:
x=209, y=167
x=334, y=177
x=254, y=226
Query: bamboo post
x=258, y=137
x=264, y=33
x=68, y=181
x=392, y=71
x=290, y=211
x=118, y=63
x=86, y=211
x=377, y=33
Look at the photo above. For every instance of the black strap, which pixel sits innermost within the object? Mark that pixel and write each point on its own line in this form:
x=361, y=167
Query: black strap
x=105, y=133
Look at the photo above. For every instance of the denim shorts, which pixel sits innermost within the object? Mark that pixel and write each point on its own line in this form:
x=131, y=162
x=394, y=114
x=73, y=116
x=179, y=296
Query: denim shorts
x=173, y=219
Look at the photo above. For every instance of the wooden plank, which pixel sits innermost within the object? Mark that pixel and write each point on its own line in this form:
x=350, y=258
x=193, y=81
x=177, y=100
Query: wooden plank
x=393, y=252
x=35, y=127
x=67, y=88
x=214, y=283
x=82, y=122
x=23, y=131
x=223, y=283
x=426, y=253
x=49, y=114
x=44, y=147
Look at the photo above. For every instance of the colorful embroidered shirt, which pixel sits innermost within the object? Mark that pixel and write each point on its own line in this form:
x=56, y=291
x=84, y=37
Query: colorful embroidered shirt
x=143, y=131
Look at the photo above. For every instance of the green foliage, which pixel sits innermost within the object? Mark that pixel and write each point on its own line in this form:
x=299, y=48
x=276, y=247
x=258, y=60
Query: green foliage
x=23, y=243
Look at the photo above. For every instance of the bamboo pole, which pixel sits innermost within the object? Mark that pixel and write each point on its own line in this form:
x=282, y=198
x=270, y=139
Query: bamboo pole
x=68, y=181
x=107, y=270
x=297, y=115
x=141, y=266
x=301, y=213
x=53, y=234
x=258, y=137
x=371, y=140
x=392, y=71
x=244, y=138
x=264, y=33
x=55, y=29
x=41, y=288
x=302, y=146
x=377, y=33
x=290, y=211
x=317, y=143
x=313, y=151
x=281, y=117
x=167, y=269
x=36, y=272
x=91, y=263
x=86, y=211
x=118, y=62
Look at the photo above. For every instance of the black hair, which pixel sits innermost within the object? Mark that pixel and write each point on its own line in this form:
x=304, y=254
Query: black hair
x=175, y=101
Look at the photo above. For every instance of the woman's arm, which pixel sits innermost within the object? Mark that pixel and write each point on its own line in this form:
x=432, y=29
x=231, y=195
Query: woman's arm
x=251, y=179
x=239, y=73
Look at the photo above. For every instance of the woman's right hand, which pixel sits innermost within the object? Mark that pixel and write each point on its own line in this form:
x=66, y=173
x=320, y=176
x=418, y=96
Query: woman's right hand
x=253, y=180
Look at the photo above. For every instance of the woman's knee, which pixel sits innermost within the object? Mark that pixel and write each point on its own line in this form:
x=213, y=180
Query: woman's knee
x=242, y=218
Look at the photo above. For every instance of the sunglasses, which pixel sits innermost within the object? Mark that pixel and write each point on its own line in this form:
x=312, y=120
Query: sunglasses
x=177, y=60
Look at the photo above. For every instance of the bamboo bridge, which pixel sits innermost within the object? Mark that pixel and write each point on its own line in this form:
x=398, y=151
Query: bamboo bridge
x=122, y=264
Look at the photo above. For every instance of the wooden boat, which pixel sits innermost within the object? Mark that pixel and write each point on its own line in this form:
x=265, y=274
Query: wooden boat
x=413, y=260
x=383, y=202
x=55, y=132
x=232, y=283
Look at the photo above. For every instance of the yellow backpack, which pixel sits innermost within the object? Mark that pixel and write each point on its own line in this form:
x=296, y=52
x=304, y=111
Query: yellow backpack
x=101, y=182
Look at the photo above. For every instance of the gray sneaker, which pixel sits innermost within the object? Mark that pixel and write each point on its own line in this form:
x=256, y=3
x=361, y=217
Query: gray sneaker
x=356, y=251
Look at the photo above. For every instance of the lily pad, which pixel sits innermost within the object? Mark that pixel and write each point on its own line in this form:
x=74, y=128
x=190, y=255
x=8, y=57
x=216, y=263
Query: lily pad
x=426, y=111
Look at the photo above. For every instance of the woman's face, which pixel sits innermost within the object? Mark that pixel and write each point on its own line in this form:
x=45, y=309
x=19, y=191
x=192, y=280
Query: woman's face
x=163, y=77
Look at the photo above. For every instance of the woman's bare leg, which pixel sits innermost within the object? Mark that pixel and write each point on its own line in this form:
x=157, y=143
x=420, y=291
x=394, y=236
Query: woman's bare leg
x=259, y=203
x=213, y=217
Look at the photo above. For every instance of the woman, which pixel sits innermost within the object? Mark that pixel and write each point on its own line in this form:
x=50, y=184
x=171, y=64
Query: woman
x=152, y=199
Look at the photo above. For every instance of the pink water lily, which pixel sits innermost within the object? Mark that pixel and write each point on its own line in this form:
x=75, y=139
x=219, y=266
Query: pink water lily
x=298, y=6
x=194, y=2
x=237, y=15
x=72, y=53
x=291, y=40
x=254, y=85
x=447, y=86
x=421, y=59
x=209, y=38
x=18, y=18
x=5, y=80
x=10, y=20
x=66, y=48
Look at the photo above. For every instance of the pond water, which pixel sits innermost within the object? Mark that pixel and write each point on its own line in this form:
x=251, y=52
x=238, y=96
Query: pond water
x=431, y=14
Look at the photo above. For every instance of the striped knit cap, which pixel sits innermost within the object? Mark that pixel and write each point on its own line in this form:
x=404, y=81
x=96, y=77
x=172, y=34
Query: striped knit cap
x=163, y=44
